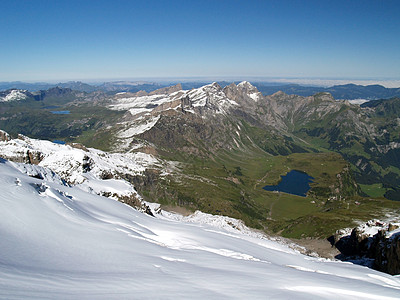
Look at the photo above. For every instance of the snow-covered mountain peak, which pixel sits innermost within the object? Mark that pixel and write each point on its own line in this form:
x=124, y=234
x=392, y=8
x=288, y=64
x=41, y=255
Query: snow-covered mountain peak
x=210, y=97
x=215, y=85
x=13, y=95
x=213, y=88
x=245, y=84
x=209, y=88
x=244, y=93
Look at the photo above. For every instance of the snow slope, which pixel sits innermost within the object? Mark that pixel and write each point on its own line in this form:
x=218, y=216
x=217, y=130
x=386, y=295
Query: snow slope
x=58, y=241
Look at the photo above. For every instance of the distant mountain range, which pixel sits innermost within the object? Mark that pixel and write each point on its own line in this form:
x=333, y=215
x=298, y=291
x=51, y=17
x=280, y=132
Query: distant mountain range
x=117, y=86
x=34, y=87
x=347, y=91
x=66, y=94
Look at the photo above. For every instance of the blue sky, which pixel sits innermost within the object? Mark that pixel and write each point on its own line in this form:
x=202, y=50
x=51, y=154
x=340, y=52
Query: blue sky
x=90, y=40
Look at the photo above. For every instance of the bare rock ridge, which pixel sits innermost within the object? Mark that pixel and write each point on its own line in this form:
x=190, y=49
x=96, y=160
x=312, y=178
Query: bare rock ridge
x=167, y=90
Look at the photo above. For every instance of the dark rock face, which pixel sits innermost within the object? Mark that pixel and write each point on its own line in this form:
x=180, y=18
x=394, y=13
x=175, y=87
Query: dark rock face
x=52, y=92
x=4, y=136
x=375, y=244
x=33, y=157
x=132, y=201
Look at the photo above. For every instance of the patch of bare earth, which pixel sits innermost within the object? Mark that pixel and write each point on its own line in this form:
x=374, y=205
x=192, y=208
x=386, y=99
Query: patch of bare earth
x=321, y=247
x=177, y=209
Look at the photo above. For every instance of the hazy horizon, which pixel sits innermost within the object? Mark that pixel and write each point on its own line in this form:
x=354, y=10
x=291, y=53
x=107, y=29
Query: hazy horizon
x=322, y=82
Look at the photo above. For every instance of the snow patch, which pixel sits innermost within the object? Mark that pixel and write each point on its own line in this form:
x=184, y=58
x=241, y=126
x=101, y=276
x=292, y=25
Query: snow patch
x=358, y=101
x=328, y=292
x=135, y=129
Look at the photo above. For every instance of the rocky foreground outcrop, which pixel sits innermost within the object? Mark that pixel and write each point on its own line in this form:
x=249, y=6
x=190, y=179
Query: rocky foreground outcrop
x=375, y=244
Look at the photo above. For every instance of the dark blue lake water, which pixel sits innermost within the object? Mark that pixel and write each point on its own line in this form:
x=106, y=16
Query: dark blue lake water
x=294, y=182
x=58, y=142
x=60, y=112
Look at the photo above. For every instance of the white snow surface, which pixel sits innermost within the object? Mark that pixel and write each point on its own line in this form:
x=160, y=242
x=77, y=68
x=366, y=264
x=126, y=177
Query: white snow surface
x=14, y=95
x=358, y=101
x=211, y=94
x=139, y=128
x=60, y=242
x=140, y=104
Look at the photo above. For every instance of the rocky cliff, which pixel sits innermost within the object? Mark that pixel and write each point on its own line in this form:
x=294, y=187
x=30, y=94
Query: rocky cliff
x=375, y=243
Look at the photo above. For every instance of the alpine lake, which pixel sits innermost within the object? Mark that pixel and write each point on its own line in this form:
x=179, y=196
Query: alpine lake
x=295, y=183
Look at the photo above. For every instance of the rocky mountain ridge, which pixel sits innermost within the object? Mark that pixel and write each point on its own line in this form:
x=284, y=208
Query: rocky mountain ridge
x=286, y=114
x=345, y=91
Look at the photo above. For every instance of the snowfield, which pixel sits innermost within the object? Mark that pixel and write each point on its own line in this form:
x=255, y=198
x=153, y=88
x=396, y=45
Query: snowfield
x=60, y=242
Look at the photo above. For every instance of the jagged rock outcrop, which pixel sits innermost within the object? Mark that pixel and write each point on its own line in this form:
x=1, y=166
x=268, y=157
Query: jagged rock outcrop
x=4, y=136
x=375, y=243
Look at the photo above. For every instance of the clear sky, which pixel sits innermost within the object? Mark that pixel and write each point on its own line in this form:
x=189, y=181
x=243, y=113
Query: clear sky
x=89, y=40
